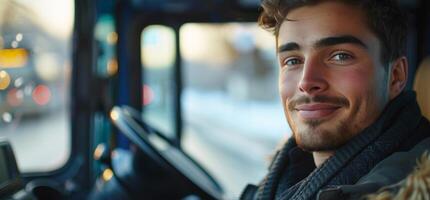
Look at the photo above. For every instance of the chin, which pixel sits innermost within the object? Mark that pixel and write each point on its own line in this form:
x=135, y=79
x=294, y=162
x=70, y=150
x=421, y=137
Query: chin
x=315, y=147
x=319, y=139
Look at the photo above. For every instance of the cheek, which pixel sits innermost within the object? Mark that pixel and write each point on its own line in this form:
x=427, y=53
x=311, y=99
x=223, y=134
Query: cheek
x=287, y=85
x=363, y=88
x=353, y=83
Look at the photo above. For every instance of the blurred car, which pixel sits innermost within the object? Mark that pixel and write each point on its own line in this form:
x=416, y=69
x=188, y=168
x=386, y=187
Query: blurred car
x=23, y=92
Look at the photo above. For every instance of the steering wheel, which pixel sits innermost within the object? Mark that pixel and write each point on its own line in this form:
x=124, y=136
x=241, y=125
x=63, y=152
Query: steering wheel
x=160, y=150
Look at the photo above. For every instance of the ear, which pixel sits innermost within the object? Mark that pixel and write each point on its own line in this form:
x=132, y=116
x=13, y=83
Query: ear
x=398, y=77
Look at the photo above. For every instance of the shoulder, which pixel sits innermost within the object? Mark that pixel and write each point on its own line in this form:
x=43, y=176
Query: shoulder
x=414, y=186
x=396, y=166
x=389, y=173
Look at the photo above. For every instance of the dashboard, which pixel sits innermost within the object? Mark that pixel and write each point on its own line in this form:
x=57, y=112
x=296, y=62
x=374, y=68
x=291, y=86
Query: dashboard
x=11, y=184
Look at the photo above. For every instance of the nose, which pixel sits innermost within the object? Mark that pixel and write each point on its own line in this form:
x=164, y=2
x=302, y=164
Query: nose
x=313, y=78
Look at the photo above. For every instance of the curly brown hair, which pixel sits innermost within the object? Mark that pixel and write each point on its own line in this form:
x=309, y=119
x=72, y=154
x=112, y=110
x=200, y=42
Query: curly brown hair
x=384, y=18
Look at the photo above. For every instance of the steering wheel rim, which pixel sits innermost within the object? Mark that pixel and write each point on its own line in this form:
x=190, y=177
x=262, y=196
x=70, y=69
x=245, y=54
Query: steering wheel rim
x=161, y=151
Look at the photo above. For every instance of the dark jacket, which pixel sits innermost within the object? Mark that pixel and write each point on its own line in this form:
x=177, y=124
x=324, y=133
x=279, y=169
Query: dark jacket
x=360, y=167
x=389, y=174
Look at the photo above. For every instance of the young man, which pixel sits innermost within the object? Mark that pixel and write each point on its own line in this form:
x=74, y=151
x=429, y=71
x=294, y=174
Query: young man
x=342, y=76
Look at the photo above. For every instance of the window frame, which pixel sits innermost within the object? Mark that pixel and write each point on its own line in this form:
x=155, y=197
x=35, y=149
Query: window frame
x=133, y=23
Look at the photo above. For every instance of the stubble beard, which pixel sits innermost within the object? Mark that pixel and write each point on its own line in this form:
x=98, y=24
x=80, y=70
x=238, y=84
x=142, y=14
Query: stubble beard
x=313, y=136
x=320, y=134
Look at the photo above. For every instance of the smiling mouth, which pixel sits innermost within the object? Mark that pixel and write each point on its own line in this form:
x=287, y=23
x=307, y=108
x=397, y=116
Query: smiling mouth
x=316, y=111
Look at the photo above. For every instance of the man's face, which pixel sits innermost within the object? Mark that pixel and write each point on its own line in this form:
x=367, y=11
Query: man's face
x=332, y=81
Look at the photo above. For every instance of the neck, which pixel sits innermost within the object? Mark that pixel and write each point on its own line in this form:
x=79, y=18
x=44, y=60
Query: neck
x=321, y=156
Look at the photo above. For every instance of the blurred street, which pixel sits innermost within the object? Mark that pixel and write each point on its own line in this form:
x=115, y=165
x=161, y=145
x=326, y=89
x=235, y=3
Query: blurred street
x=232, y=159
x=41, y=143
x=236, y=151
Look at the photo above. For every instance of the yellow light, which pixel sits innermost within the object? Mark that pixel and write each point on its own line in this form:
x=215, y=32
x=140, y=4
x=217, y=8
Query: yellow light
x=13, y=58
x=112, y=67
x=4, y=80
x=114, y=115
x=99, y=151
x=107, y=174
x=112, y=38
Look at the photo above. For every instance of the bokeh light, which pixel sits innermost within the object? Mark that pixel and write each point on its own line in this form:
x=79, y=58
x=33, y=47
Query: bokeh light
x=4, y=80
x=7, y=117
x=13, y=58
x=15, y=44
x=112, y=67
x=19, y=37
x=48, y=66
x=98, y=152
x=41, y=95
x=112, y=38
x=148, y=95
x=107, y=174
x=18, y=82
x=15, y=97
x=114, y=115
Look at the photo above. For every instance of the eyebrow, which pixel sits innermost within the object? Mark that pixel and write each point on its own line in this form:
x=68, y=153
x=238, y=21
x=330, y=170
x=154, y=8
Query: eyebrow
x=330, y=41
x=324, y=42
x=291, y=46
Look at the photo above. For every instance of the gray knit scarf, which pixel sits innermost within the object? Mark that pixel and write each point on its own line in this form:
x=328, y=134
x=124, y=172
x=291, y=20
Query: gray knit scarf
x=354, y=159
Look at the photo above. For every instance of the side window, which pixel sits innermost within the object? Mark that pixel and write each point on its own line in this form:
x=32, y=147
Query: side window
x=233, y=118
x=158, y=58
x=34, y=80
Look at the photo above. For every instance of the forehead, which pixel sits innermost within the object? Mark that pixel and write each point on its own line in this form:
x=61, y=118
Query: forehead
x=327, y=19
